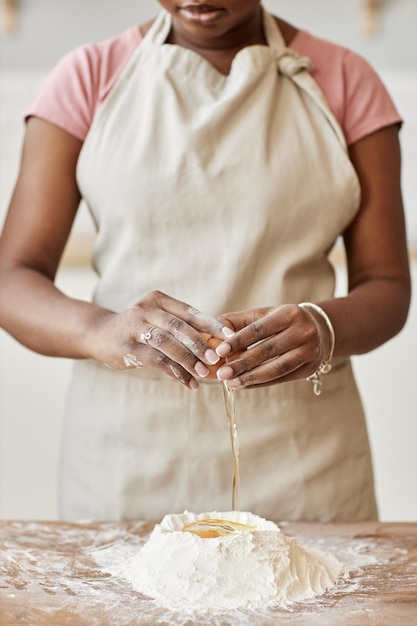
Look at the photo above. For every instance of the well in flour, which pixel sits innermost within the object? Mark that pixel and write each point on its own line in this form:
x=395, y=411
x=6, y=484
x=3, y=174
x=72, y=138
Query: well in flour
x=260, y=567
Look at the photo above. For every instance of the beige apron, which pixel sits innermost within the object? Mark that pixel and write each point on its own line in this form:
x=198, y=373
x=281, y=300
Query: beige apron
x=226, y=192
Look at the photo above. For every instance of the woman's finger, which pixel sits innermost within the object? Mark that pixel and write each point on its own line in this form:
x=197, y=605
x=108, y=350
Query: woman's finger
x=266, y=322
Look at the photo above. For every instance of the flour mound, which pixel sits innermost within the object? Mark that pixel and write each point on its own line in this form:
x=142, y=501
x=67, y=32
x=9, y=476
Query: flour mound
x=246, y=569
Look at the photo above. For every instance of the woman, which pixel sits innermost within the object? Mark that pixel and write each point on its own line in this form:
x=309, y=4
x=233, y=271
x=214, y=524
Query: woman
x=221, y=152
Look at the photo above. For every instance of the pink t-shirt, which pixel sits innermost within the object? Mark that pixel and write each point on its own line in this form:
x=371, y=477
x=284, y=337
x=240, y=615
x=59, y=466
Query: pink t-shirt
x=80, y=82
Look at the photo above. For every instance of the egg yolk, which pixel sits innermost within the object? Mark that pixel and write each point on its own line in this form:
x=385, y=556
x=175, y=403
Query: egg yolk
x=212, y=528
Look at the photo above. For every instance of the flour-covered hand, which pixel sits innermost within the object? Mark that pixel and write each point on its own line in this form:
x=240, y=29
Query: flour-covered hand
x=162, y=333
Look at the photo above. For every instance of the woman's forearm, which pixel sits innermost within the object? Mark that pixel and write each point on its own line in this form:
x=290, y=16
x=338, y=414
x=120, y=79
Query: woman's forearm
x=38, y=315
x=371, y=314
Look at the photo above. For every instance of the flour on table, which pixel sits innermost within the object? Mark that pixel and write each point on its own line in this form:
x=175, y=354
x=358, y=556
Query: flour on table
x=260, y=567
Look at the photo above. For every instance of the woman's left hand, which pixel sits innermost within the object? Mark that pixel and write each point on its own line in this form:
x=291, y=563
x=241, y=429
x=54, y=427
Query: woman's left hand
x=273, y=345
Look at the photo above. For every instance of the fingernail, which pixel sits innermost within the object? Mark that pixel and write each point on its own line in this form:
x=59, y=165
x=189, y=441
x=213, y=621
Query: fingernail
x=194, y=384
x=223, y=349
x=223, y=373
x=201, y=369
x=227, y=332
x=211, y=357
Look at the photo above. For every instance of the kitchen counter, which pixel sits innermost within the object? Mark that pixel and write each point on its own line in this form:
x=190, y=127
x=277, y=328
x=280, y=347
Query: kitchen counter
x=58, y=573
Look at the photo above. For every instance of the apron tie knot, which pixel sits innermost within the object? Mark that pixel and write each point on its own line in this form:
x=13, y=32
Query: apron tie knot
x=290, y=63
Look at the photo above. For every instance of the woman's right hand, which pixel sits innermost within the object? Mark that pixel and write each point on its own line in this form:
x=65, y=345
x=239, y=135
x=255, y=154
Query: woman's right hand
x=158, y=332
x=41, y=317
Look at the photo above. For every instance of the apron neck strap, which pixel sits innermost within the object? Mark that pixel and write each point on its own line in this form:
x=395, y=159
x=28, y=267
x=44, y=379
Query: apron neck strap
x=272, y=32
x=160, y=29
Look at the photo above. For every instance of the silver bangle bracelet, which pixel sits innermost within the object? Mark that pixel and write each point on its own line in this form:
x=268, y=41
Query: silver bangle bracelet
x=325, y=366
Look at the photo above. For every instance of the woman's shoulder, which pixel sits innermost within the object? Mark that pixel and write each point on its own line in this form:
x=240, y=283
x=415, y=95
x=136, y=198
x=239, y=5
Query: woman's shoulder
x=353, y=89
x=81, y=80
x=327, y=56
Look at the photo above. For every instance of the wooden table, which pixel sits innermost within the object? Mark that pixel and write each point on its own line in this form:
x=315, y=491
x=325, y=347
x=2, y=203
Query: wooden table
x=53, y=573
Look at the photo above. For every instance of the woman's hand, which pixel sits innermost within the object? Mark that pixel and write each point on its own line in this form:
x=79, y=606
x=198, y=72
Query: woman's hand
x=273, y=345
x=376, y=305
x=159, y=332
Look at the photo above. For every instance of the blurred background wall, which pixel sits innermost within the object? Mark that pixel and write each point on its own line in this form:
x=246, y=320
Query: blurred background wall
x=32, y=387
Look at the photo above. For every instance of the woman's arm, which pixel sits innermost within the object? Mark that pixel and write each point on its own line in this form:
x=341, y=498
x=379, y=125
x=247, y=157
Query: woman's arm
x=379, y=286
x=39, y=220
x=296, y=341
x=41, y=317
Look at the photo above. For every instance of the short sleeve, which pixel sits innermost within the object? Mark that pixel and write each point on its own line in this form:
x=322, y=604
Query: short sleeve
x=81, y=80
x=368, y=106
x=68, y=97
x=354, y=91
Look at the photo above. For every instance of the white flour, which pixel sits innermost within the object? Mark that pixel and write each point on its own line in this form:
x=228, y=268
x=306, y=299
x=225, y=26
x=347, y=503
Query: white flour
x=246, y=569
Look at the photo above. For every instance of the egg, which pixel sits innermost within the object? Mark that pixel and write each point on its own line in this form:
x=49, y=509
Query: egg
x=213, y=343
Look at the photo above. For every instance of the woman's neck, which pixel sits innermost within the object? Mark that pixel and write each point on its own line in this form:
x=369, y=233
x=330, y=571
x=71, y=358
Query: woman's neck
x=221, y=52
